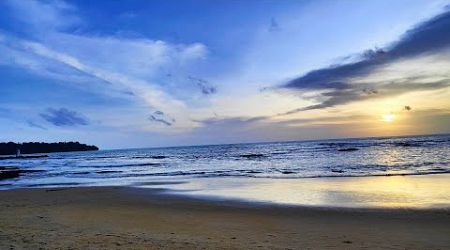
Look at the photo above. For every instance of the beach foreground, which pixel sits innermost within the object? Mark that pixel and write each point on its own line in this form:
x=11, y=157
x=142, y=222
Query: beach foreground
x=132, y=218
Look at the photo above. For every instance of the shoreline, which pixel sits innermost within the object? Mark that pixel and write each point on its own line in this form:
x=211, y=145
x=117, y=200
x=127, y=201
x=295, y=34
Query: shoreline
x=139, y=218
x=374, y=192
x=368, y=192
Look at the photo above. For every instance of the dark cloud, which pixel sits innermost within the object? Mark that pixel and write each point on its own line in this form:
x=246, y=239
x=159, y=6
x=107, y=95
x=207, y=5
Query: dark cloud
x=127, y=92
x=394, y=88
x=429, y=37
x=64, y=117
x=370, y=91
x=160, y=117
x=35, y=125
x=205, y=86
x=230, y=120
x=274, y=26
x=154, y=119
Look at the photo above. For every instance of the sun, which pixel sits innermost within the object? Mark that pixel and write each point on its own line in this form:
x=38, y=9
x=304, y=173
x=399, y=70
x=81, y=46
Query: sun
x=388, y=117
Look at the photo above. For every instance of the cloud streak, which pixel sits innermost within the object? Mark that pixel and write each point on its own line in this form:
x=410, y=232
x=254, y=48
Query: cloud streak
x=160, y=117
x=35, y=125
x=64, y=118
x=205, y=86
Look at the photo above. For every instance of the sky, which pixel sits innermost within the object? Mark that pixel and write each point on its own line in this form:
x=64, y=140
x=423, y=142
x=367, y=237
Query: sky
x=167, y=73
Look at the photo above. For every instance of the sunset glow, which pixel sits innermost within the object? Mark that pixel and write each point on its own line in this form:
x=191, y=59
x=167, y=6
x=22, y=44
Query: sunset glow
x=149, y=73
x=388, y=118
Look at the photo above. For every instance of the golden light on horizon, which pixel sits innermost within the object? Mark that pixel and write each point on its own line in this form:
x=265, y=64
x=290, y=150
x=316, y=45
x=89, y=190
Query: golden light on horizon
x=388, y=117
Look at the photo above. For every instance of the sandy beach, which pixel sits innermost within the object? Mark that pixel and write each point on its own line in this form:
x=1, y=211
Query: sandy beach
x=133, y=218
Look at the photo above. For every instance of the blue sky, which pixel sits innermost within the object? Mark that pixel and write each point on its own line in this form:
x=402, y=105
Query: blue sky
x=162, y=73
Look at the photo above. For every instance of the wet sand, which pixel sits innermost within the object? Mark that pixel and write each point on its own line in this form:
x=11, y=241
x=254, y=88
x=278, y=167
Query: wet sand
x=132, y=218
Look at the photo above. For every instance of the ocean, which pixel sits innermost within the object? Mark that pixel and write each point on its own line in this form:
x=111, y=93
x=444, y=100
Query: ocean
x=388, y=156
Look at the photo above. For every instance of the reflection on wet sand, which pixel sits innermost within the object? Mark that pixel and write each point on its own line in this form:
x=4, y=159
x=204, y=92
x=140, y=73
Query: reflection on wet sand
x=430, y=191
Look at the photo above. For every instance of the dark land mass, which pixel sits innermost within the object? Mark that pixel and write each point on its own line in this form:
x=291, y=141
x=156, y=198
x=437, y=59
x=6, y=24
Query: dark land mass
x=11, y=148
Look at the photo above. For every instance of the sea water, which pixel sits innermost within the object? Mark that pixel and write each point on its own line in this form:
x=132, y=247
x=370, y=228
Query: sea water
x=235, y=167
x=418, y=155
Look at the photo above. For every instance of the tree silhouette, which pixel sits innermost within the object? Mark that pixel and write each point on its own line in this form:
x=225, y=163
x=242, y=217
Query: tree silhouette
x=10, y=148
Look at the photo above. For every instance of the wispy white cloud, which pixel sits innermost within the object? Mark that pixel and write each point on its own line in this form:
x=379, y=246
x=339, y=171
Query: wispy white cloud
x=134, y=66
x=44, y=15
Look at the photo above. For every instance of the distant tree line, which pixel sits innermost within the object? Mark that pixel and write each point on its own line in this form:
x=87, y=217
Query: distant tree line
x=10, y=148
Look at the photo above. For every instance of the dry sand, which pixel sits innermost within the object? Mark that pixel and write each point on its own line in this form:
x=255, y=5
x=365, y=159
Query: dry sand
x=130, y=218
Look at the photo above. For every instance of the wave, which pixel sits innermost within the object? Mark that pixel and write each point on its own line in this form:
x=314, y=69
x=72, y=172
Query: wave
x=281, y=174
x=63, y=184
x=150, y=157
x=122, y=165
x=108, y=172
x=347, y=149
x=253, y=156
x=381, y=175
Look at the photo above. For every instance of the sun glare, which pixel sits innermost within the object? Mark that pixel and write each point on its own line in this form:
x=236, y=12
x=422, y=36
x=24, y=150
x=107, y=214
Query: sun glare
x=388, y=117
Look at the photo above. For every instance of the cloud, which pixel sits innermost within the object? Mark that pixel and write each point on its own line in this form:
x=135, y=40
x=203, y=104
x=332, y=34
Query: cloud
x=150, y=93
x=247, y=121
x=111, y=65
x=231, y=121
x=205, y=86
x=44, y=15
x=159, y=117
x=274, y=26
x=64, y=117
x=418, y=61
x=35, y=125
x=154, y=119
x=339, y=97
